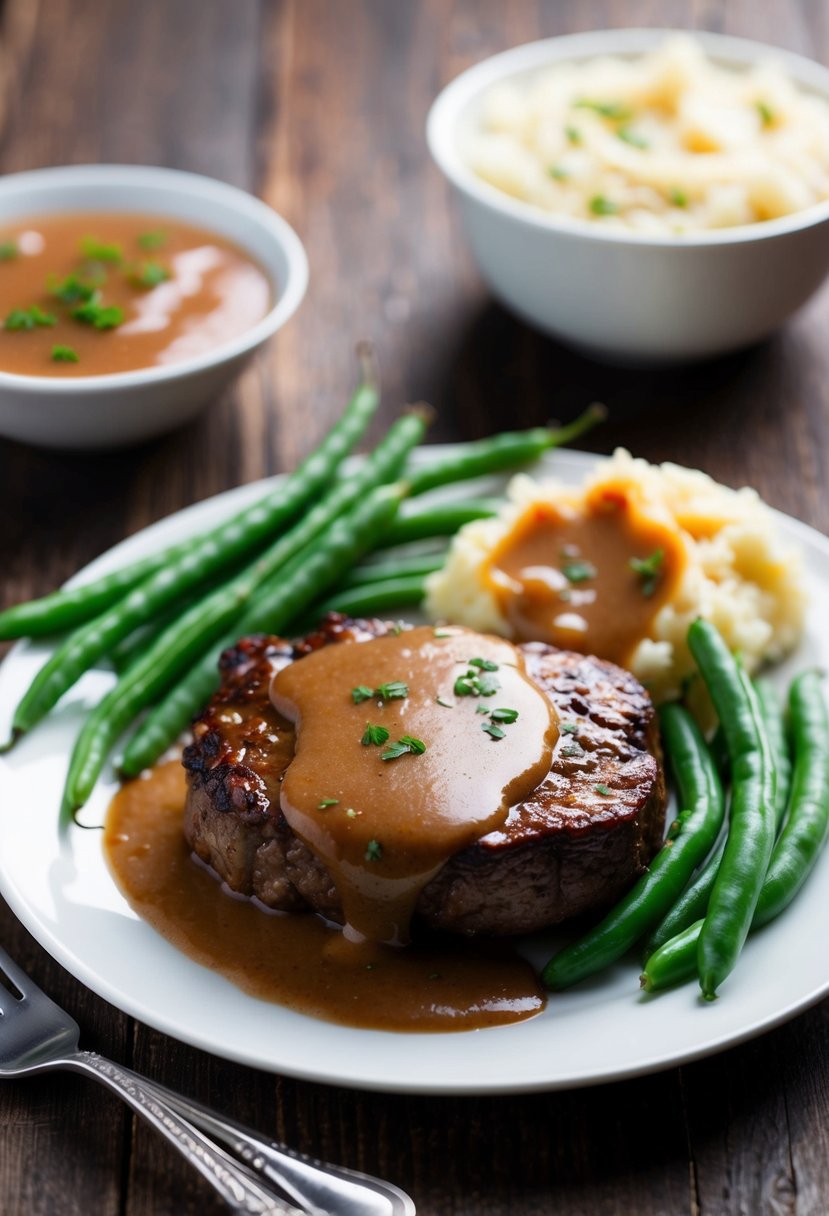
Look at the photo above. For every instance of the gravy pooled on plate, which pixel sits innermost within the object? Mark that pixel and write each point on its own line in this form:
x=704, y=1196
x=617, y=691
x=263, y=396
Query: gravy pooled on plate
x=95, y=294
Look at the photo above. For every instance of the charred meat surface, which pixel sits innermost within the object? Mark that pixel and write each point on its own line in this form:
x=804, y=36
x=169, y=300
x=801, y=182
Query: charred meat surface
x=574, y=846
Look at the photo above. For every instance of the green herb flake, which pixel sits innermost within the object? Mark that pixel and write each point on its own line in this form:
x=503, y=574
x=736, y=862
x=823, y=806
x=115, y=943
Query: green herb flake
x=443, y=633
x=374, y=850
x=576, y=570
x=572, y=750
x=152, y=240
x=149, y=275
x=394, y=690
x=71, y=290
x=98, y=251
x=374, y=735
x=567, y=728
x=573, y=135
x=507, y=716
x=558, y=173
x=766, y=113
x=405, y=744
x=493, y=731
x=445, y=704
x=350, y=812
x=628, y=136
x=361, y=693
x=8, y=251
x=603, y=790
x=600, y=205
x=678, y=197
x=606, y=109
x=483, y=664
x=482, y=709
x=98, y=315
x=64, y=354
x=326, y=802
x=648, y=570
x=29, y=318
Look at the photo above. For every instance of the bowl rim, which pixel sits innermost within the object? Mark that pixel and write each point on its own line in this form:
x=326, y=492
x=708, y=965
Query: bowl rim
x=528, y=57
x=193, y=187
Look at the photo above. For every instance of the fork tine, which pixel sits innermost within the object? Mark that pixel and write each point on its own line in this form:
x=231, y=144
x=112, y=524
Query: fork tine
x=21, y=981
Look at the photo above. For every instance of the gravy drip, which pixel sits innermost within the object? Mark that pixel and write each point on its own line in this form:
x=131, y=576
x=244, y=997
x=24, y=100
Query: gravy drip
x=567, y=574
x=298, y=960
x=214, y=292
x=384, y=827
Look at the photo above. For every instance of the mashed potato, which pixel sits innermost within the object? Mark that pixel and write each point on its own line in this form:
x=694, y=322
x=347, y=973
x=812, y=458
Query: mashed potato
x=667, y=142
x=737, y=573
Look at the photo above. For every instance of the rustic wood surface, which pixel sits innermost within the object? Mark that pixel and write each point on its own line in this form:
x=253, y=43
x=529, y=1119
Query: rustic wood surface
x=318, y=106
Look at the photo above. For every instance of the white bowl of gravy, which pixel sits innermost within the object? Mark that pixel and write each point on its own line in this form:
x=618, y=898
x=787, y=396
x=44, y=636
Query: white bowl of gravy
x=130, y=297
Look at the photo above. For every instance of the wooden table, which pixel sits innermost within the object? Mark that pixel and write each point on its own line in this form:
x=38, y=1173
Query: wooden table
x=319, y=108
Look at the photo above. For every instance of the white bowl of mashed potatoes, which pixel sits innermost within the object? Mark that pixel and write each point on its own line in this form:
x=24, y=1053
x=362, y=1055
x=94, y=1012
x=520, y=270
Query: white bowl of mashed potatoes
x=647, y=195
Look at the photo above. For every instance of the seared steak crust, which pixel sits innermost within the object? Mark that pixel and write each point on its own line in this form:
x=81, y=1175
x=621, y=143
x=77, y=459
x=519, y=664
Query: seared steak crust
x=587, y=831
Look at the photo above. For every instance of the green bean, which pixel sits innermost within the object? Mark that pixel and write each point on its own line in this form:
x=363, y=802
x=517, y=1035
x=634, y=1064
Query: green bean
x=751, y=827
x=369, y=599
x=285, y=595
x=403, y=567
x=136, y=643
x=200, y=562
x=500, y=452
x=693, y=902
x=418, y=522
x=694, y=830
x=798, y=847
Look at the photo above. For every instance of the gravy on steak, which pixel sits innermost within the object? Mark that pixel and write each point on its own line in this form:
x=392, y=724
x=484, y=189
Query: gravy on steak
x=589, y=576
x=408, y=749
x=301, y=961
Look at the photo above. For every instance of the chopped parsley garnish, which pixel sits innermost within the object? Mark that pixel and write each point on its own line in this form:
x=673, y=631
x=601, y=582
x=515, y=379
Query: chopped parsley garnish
x=443, y=633
x=98, y=251
x=152, y=240
x=72, y=290
x=8, y=250
x=326, y=802
x=558, y=173
x=766, y=113
x=28, y=318
x=573, y=134
x=374, y=850
x=149, y=274
x=678, y=197
x=603, y=790
x=600, y=205
x=606, y=109
x=482, y=709
x=567, y=728
x=361, y=693
x=445, y=704
x=507, y=716
x=406, y=743
x=374, y=735
x=633, y=138
x=395, y=690
x=100, y=316
x=648, y=570
x=64, y=354
x=493, y=731
x=483, y=664
x=472, y=685
x=572, y=750
x=576, y=570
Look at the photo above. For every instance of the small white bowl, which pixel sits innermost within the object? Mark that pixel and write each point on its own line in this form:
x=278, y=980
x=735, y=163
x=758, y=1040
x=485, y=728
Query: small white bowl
x=630, y=296
x=125, y=407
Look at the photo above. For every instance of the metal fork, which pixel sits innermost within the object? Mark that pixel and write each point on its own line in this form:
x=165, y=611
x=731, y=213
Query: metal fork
x=36, y=1036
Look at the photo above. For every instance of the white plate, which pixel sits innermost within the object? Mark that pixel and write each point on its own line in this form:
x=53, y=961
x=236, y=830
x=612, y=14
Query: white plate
x=61, y=889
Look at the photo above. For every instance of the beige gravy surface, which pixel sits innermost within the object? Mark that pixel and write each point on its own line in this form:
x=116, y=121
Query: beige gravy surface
x=480, y=738
x=588, y=577
x=298, y=960
x=181, y=291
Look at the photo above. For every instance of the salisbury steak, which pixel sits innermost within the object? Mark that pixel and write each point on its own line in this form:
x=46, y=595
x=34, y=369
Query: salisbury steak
x=575, y=845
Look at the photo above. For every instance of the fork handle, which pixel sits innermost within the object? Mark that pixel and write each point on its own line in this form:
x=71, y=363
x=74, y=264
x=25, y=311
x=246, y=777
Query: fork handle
x=236, y=1185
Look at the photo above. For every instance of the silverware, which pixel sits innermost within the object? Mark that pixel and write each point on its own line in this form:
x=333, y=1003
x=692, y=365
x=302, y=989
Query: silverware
x=36, y=1036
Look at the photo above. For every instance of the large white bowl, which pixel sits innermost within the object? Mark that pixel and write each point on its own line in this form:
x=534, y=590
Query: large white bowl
x=125, y=407
x=627, y=295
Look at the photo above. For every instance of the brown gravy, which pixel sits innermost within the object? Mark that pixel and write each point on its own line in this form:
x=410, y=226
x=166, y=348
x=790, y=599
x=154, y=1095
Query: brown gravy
x=587, y=576
x=298, y=960
x=180, y=291
x=480, y=737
